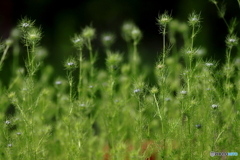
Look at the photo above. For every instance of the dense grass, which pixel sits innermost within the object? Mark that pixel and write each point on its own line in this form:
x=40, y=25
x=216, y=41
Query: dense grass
x=113, y=113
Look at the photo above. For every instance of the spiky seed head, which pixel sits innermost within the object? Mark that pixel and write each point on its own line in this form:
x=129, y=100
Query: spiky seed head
x=164, y=19
x=71, y=63
x=78, y=41
x=25, y=24
x=231, y=40
x=194, y=19
x=32, y=36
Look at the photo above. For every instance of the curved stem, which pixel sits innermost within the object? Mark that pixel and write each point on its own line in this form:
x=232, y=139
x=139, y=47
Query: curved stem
x=3, y=56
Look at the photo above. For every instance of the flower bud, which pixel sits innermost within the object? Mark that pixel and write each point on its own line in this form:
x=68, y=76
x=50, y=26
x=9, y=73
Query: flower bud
x=136, y=34
x=127, y=28
x=70, y=64
x=154, y=90
x=25, y=24
x=107, y=39
x=78, y=41
x=33, y=36
x=114, y=59
x=231, y=40
x=194, y=19
x=88, y=33
x=164, y=19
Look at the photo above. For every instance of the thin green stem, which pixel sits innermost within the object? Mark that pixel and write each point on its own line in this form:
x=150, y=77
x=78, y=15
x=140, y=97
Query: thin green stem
x=188, y=83
x=70, y=81
x=218, y=137
x=229, y=50
x=191, y=47
x=228, y=68
x=32, y=60
x=16, y=50
x=91, y=56
x=164, y=45
x=80, y=74
x=29, y=56
x=140, y=118
x=164, y=67
x=111, y=87
x=108, y=51
x=135, y=59
x=222, y=16
x=191, y=50
x=159, y=112
x=3, y=56
x=90, y=49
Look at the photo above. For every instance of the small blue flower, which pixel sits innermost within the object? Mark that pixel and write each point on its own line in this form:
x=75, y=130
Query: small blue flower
x=183, y=92
x=82, y=105
x=19, y=133
x=90, y=86
x=70, y=63
x=58, y=82
x=198, y=126
x=167, y=99
x=25, y=25
x=214, y=106
x=136, y=90
x=9, y=145
x=209, y=64
x=7, y=122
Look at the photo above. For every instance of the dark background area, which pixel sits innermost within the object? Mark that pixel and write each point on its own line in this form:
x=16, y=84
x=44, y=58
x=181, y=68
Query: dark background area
x=59, y=21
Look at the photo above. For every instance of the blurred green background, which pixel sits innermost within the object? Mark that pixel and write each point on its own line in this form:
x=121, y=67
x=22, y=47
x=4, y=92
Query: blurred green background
x=59, y=21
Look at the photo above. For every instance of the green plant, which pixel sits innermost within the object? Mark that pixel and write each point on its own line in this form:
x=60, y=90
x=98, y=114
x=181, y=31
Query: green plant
x=114, y=112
